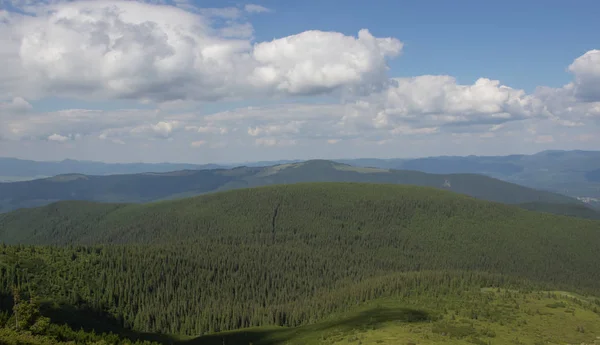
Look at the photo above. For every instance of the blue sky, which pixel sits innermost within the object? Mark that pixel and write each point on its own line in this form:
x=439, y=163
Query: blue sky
x=282, y=79
x=522, y=43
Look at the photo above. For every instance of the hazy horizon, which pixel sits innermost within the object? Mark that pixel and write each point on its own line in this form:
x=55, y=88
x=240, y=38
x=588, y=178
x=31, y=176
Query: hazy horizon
x=277, y=159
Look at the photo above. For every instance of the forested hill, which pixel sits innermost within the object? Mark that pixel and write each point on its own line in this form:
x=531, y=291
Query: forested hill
x=316, y=212
x=572, y=210
x=156, y=186
x=285, y=255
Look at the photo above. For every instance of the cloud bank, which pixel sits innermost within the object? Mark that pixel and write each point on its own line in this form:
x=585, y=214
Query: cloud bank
x=133, y=50
x=175, y=59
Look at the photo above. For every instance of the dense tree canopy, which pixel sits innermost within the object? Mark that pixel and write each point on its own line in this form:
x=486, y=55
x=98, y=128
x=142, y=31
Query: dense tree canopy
x=284, y=255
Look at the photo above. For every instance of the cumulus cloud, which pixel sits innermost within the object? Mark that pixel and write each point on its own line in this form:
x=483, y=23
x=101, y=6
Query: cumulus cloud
x=133, y=50
x=162, y=129
x=438, y=100
x=182, y=57
x=16, y=105
x=11, y=73
x=68, y=123
x=288, y=124
x=577, y=103
x=566, y=108
x=317, y=62
x=283, y=121
x=57, y=137
x=586, y=70
x=292, y=127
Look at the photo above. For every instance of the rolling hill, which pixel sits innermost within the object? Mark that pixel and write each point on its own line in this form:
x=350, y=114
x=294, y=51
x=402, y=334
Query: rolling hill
x=318, y=259
x=572, y=210
x=158, y=186
x=574, y=173
x=15, y=169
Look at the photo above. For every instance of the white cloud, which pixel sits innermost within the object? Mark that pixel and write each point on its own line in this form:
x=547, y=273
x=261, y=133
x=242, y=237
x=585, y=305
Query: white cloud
x=586, y=70
x=11, y=72
x=212, y=129
x=16, y=105
x=253, y=8
x=284, y=121
x=57, y=137
x=268, y=142
x=292, y=127
x=197, y=143
x=566, y=108
x=39, y=125
x=316, y=62
x=133, y=50
x=184, y=57
x=433, y=101
x=159, y=130
x=164, y=128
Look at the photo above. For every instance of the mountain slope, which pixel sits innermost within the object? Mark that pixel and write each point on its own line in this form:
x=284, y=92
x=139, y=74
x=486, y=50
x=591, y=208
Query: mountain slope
x=573, y=173
x=157, y=186
x=21, y=168
x=436, y=221
x=288, y=255
x=572, y=210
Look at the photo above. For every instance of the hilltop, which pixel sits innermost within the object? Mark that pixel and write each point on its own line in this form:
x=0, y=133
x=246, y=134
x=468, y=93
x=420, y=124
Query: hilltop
x=148, y=187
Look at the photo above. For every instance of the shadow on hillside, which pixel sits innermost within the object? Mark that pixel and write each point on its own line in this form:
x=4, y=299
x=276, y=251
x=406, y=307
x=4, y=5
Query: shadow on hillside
x=99, y=322
x=370, y=319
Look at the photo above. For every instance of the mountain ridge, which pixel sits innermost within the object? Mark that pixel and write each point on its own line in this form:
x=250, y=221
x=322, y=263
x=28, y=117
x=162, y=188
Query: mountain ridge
x=146, y=187
x=570, y=172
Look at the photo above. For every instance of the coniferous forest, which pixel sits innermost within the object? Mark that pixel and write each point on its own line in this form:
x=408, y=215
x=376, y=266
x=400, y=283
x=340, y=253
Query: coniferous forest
x=286, y=256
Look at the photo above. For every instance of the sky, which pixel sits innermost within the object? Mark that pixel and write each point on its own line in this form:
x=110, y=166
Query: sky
x=230, y=81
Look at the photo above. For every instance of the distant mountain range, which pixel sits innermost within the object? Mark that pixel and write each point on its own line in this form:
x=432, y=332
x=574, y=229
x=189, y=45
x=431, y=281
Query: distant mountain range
x=12, y=169
x=572, y=173
x=146, y=187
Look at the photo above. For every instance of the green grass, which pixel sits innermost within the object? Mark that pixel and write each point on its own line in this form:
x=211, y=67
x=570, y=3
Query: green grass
x=489, y=317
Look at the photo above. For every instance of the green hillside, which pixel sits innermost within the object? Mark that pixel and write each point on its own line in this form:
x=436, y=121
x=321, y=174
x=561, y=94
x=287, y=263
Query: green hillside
x=573, y=210
x=287, y=255
x=161, y=186
x=574, y=173
x=484, y=316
